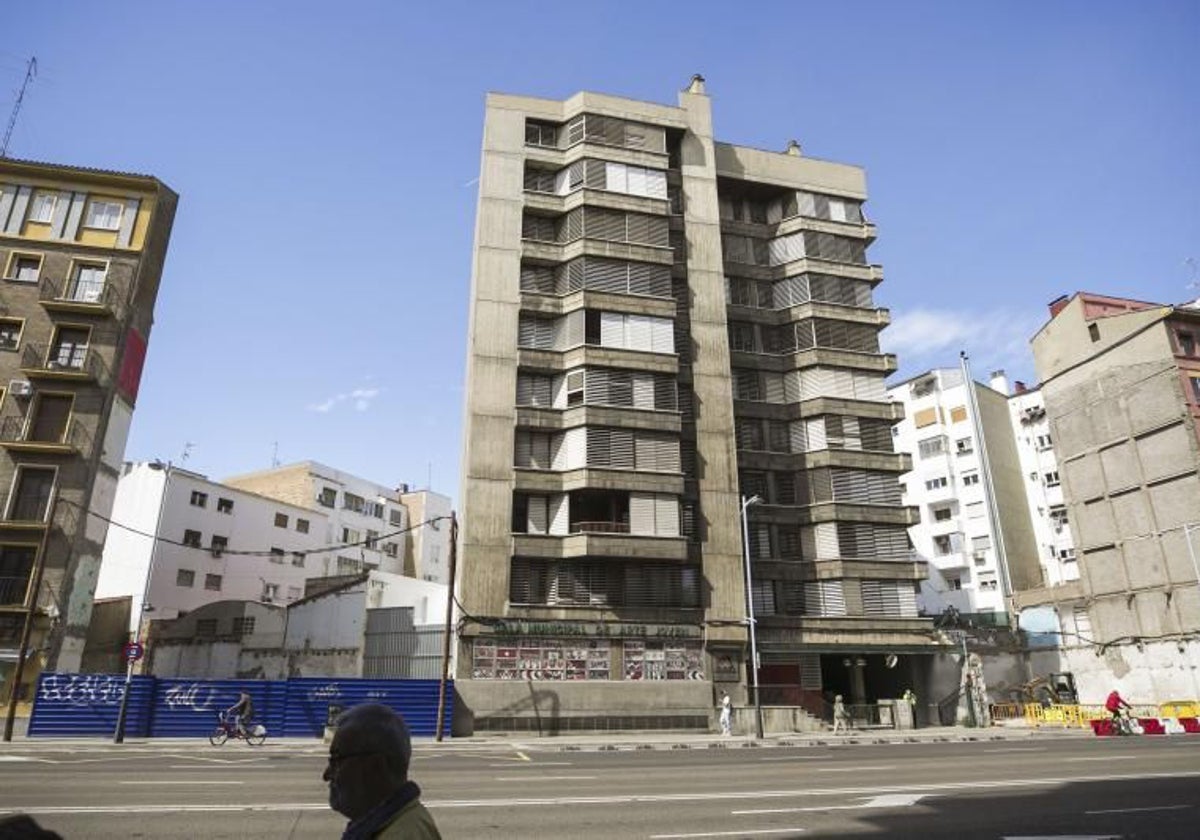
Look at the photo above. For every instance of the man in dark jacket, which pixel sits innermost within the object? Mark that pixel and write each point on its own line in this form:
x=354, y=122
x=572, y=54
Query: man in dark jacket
x=368, y=777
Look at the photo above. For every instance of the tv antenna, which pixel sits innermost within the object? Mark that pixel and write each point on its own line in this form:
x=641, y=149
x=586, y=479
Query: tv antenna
x=30, y=74
x=187, y=452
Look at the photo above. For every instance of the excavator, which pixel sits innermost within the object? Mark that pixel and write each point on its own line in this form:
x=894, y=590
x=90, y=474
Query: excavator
x=1047, y=689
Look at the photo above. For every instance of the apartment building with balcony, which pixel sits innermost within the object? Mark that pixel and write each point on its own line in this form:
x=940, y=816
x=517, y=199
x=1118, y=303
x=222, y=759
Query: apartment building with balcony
x=1121, y=383
x=974, y=528
x=661, y=327
x=1043, y=486
x=81, y=256
x=386, y=520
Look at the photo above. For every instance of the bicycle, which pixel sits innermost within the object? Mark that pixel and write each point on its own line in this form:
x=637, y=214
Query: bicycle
x=253, y=734
x=1122, y=723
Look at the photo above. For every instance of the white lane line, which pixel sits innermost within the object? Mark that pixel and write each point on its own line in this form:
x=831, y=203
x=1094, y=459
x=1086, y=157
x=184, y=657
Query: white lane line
x=1091, y=758
x=545, y=778
x=182, y=782
x=797, y=757
x=214, y=767
x=745, y=833
x=23, y=758
x=1134, y=810
x=1017, y=749
x=855, y=769
x=537, y=765
x=168, y=809
x=892, y=800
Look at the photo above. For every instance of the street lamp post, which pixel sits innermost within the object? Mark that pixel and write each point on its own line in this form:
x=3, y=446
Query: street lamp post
x=122, y=713
x=758, y=718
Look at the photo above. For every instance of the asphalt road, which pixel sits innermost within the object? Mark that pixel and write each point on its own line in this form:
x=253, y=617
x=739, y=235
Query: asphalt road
x=1033, y=788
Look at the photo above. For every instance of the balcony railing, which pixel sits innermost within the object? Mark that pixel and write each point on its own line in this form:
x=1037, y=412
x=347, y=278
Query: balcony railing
x=14, y=431
x=74, y=360
x=599, y=527
x=13, y=590
x=78, y=295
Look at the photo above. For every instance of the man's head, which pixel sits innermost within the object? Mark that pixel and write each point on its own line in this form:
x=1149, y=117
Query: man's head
x=368, y=759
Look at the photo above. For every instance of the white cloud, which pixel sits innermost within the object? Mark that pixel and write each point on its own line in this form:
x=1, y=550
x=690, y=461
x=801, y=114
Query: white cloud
x=927, y=338
x=360, y=397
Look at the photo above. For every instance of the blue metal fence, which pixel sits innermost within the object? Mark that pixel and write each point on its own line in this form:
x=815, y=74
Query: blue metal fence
x=87, y=704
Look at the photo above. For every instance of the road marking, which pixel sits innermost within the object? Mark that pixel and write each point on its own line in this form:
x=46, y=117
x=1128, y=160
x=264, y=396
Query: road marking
x=1016, y=749
x=1134, y=810
x=746, y=833
x=223, y=761
x=538, y=764
x=216, y=767
x=855, y=769
x=182, y=782
x=23, y=758
x=544, y=778
x=1092, y=758
x=798, y=757
x=888, y=800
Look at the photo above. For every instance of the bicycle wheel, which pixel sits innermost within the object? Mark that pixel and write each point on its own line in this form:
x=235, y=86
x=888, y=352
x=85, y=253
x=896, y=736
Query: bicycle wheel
x=219, y=736
x=254, y=739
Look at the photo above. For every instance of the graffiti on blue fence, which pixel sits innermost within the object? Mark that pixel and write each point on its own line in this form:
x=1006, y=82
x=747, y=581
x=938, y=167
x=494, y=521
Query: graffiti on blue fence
x=329, y=691
x=198, y=697
x=82, y=689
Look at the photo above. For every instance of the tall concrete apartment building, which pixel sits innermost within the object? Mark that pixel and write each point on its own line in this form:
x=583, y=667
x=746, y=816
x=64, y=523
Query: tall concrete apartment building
x=81, y=251
x=663, y=326
x=1121, y=381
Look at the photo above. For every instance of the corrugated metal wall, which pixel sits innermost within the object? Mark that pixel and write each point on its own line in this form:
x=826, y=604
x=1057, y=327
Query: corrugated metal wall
x=87, y=704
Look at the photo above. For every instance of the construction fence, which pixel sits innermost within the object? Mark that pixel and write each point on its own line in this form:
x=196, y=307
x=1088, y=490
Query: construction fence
x=1081, y=715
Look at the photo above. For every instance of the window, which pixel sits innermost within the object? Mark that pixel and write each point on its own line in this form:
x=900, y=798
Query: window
x=348, y=566
x=975, y=510
x=191, y=538
x=70, y=348
x=943, y=545
x=970, y=479
x=1196, y=388
x=1187, y=343
x=185, y=577
x=302, y=525
x=352, y=502
x=206, y=628
x=281, y=520
x=1058, y=516
x=390, y=549
x=31, y=496
x=327, y=498
x=396, y=517
x=1051, y=478
x=964, y=446
x=351, y=535
x=105, y=215
x=24, y=268
x=1094, y=332
x=199, y=499
x=936, y=483
x=540, y=134
x=42, y=208
x=980, y=544
x=954, y=584
x=988, y=584
x=930, y=447
x=10, y=334
x=224, y=505
x=298, y=558
x=1043, y=442
x=87, y=283
x=270, y=591
x=373, y=509
x=243, y=625
x=16, y=563
x=294, y=593
x=277, y=554
x=218, y=545
x=212, y=583
x=941, y=514
x=372, y=538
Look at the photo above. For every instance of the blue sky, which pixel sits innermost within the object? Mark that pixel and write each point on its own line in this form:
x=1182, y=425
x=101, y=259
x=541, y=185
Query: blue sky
x=315, y=295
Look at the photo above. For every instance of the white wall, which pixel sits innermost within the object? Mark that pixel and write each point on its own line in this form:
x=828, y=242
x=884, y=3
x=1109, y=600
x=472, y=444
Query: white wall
x=334, y=620
x=339, y=518
x=427, y=598
x=430, y=544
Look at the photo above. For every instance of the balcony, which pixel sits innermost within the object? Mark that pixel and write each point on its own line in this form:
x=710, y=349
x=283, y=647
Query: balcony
x=13, y=591
x=69, y=362
x=599, y=527
x=620, y=544
x=17, y=435
x=77, y=295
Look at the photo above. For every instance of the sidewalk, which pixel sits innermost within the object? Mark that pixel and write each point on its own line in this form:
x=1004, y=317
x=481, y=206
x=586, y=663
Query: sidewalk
x=586, y=742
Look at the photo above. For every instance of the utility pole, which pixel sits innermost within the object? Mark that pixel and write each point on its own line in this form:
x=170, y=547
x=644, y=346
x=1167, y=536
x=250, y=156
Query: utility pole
x=31, y=602
x=441, y=713
x=30, y=73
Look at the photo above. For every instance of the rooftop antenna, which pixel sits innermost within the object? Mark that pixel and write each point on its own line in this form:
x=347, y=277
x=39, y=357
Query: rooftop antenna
x=187, y=452
x=30, y=73
x=274, y=454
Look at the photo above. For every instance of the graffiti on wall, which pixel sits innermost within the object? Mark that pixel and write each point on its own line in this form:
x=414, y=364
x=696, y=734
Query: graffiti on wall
x=198, y=697
x=82, y=689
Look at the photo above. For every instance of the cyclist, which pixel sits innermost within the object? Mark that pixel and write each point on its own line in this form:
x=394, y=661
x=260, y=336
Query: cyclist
x=1114, y=704
x=241, y=712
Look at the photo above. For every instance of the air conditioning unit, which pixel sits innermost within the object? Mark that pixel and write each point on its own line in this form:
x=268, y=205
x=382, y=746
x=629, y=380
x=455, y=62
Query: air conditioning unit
x=20, y=388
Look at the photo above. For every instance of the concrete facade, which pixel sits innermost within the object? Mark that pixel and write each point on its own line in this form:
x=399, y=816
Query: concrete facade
x=660, y=326
x=974, y=532
x=1120, y=384
x=81, y=256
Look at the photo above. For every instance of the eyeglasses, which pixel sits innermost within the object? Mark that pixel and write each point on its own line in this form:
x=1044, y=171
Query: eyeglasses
x=336, y=759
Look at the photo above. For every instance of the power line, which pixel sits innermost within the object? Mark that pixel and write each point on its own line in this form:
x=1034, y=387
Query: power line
x=367, y=543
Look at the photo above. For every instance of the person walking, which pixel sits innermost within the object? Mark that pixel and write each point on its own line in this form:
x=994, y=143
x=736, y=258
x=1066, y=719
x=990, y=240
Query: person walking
x=726, y=718
x=368, y=779
x=840, y=717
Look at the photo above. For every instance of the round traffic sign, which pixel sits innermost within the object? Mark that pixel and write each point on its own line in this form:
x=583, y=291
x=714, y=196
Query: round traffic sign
x=134, y=650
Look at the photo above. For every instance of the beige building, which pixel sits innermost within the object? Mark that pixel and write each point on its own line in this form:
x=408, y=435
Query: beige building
x=661, y=326
x=1121, y=381
x=81, y=255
